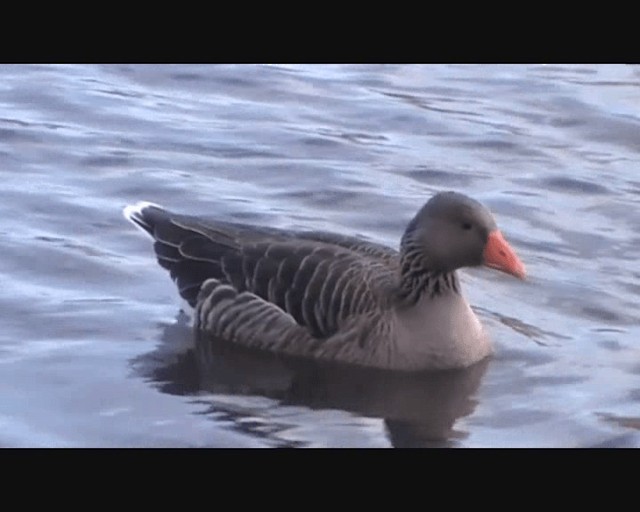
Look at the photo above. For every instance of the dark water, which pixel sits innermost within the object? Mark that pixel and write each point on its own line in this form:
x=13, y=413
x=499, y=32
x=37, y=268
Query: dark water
x=95, y=352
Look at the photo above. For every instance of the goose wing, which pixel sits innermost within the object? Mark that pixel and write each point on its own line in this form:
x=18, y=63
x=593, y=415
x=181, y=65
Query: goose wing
x=317, y=278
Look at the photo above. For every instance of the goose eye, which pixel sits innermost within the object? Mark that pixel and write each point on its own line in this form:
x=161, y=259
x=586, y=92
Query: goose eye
x=466, y=226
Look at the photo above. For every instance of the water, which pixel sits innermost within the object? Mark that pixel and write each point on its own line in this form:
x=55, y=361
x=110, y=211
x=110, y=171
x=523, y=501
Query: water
x=94, y=350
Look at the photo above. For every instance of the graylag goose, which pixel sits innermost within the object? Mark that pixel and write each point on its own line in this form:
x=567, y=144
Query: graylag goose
x=331, y=297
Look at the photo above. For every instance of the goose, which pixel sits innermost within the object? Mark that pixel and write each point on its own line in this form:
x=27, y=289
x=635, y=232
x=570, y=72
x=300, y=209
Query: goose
x=336, y=298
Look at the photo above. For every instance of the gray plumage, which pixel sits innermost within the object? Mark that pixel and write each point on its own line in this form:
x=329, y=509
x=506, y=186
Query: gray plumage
x=328, y=296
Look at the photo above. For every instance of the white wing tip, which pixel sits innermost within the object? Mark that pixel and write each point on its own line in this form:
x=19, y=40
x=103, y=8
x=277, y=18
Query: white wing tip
x=135, y=210
x=133, y=213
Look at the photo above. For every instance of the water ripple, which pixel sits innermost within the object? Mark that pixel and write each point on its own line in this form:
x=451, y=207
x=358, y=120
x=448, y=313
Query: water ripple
x=553, y=150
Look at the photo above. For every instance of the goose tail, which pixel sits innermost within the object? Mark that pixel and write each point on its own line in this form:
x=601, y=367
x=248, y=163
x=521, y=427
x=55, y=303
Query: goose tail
x=143, y=215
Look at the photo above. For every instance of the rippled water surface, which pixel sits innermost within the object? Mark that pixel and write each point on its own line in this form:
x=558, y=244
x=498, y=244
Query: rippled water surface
x=94, y=349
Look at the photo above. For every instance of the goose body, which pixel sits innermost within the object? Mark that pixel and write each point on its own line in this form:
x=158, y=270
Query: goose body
x=326, y=296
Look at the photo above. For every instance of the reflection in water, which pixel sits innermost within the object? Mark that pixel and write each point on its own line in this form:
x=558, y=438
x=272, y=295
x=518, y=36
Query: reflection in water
x=418, y=409
x=623, y=421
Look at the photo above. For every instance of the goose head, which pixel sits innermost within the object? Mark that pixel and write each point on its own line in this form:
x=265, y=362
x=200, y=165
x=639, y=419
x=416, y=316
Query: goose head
x=452, y=231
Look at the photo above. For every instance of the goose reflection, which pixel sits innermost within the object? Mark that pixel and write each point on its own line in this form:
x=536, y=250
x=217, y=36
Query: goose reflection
x=418, y=409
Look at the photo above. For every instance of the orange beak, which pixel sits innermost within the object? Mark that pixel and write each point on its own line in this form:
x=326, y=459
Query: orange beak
x=498, y=254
